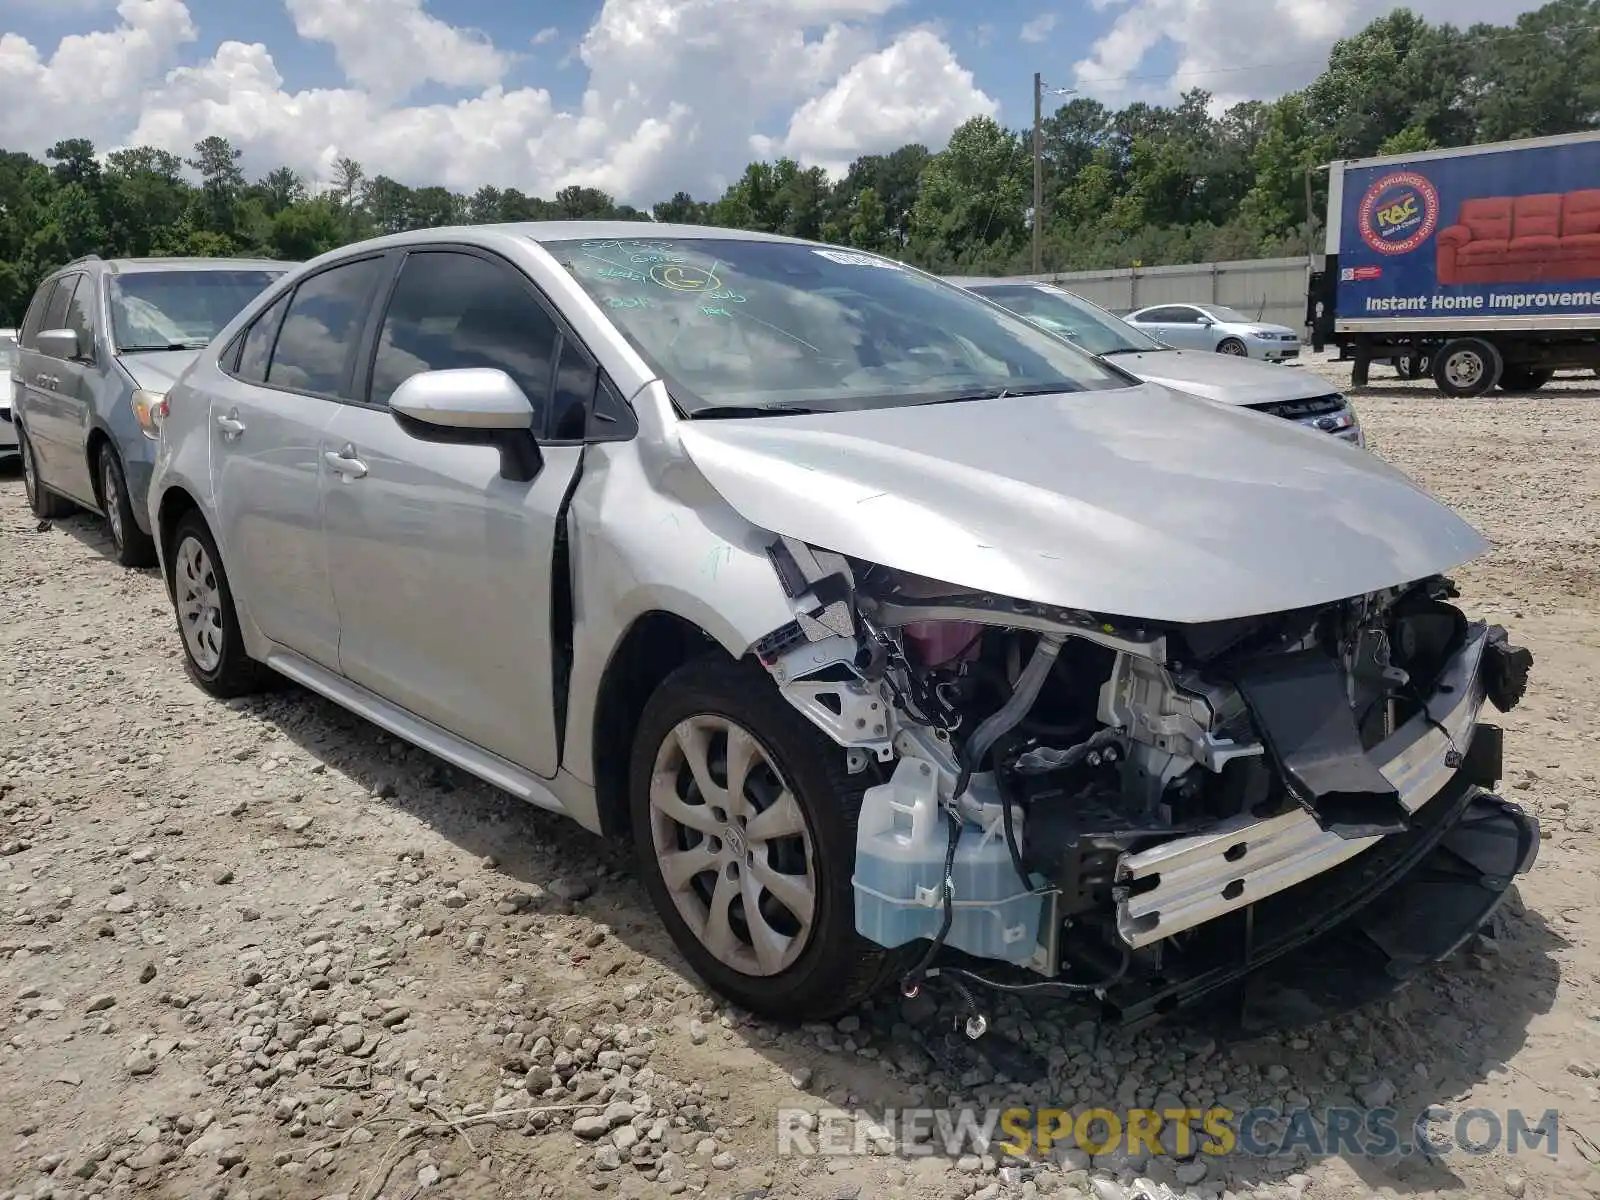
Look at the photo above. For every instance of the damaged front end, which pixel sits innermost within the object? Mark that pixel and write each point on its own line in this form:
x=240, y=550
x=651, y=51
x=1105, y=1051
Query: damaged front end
x=1291, y=811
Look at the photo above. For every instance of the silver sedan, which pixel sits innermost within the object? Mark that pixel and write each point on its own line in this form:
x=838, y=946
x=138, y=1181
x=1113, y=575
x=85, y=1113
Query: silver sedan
x=1216, y=327
x=884, y=624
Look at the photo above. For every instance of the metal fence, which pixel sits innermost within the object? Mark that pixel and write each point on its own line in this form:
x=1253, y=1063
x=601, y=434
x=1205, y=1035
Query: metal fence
x=1265, y=289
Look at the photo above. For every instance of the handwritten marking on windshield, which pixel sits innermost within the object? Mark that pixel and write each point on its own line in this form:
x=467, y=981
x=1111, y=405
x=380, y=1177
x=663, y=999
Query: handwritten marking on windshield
x=622, y=273
x=681, y=277
x=629, y=302
x=782, y=332
x=715, y=312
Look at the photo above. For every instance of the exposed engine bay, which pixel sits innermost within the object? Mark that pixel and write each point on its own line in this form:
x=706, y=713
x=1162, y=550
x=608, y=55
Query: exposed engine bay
x=1150, y=815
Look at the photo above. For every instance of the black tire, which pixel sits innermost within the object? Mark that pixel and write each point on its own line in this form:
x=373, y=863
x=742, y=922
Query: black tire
x=1413, y=366
x=44, y=503
x=1467, y=367
x=1525, y=379
x=234, y=673
x=837, y=968
x=1232, y=346
x=134, y=547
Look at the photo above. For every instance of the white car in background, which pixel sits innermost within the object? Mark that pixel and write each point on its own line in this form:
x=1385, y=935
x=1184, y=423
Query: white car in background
x=1294, y=395
x=8, y=363
x=1217, y=329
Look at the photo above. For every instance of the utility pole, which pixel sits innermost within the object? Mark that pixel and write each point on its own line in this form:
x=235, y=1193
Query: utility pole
x=1038, y=174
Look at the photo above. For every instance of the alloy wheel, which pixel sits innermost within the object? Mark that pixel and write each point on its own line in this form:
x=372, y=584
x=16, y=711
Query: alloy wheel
x=199, y=603
x=1233, y=348
x=30, y=479
x=735, y=851
x=112, y=494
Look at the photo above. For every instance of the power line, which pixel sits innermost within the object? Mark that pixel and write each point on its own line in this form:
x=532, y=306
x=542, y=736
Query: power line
x=1554, y=33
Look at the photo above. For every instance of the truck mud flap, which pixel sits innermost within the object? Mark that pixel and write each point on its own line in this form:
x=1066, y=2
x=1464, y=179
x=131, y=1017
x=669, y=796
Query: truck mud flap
x=1421, y=920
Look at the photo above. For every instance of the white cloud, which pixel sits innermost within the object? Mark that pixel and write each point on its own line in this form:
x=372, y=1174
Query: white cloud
x=388, y=47
x=89, y=77
x=1038, y=29
x=911, y=91
x=1292, y=49
x=677, y=92
x=548, y=34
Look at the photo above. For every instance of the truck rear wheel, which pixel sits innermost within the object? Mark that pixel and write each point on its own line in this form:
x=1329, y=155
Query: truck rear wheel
x=1525, y=379
x=1467, y=367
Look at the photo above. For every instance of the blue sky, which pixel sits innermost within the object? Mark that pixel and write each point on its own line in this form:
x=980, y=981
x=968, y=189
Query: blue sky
x=667, y=94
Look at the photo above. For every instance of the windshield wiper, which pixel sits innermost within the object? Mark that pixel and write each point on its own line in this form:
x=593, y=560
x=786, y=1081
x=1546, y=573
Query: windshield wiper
x=1002, y=393
x=753, y=410
x=191, y=344
x=1128, y=350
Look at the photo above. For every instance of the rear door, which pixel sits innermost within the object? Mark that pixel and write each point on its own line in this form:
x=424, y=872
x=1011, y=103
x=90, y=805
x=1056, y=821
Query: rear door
x=442, y=568
x=43, y=407
x=292, y=369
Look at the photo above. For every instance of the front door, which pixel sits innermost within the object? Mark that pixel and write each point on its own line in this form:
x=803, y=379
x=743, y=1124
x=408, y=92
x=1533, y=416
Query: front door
x=268, y=425
x=441, y=568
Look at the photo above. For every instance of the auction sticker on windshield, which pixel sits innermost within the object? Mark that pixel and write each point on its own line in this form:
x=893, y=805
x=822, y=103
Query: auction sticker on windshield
x=848, y=259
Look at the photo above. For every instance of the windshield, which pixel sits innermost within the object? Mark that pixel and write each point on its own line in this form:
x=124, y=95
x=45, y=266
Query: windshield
x=1231, y=315
x=1096, y=330
x=767, y=326
x=161, y=310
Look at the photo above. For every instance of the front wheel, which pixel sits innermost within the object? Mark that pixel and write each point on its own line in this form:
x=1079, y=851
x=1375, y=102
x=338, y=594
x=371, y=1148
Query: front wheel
x=213, y=647
x=134, y=547
x=1232, y=346
x=1467, y=367
x=744, y=823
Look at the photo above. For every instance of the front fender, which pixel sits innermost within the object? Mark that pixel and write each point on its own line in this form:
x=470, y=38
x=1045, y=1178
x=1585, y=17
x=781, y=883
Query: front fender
x=638, y=548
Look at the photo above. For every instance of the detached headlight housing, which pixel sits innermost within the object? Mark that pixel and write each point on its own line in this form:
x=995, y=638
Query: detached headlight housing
x=149, y=409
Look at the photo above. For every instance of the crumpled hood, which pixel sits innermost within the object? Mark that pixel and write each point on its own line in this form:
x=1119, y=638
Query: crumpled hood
x=1134, y=502
x=157, y=370
x=1223, y=377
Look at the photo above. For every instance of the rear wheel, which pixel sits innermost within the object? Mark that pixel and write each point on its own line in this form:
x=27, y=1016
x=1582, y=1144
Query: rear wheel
x=1467, y=367
x=1525, y=379
x=744, y=824
x=46, y=505
x=213, y=647
x=1232, y=346
x=134, y=547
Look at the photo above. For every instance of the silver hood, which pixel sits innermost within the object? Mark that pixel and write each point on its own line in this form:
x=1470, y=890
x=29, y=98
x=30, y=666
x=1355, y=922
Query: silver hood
x=1223, y=377
x=157, y=370
x=1135, y=502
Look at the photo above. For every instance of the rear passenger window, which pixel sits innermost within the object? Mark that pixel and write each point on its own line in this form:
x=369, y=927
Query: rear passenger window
x=452, y=310
x=33, y=321
x=316, y=345
x=256, y=351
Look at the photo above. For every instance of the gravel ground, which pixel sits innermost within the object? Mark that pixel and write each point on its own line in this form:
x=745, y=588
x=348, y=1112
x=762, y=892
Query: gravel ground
x=261, y=949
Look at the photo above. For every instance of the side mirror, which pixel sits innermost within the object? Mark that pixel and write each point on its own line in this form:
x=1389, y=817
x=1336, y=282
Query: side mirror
x=472, y=406
x=59, y=343
x=1208, y=322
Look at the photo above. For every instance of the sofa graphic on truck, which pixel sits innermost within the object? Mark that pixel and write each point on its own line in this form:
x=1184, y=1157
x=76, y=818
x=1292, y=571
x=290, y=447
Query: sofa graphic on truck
x=1523, y=239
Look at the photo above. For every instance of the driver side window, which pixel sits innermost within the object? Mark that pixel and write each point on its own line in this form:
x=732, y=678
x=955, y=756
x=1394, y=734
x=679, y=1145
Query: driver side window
x=451, y=310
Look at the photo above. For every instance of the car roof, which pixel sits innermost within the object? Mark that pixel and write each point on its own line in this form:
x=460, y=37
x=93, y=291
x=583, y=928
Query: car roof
x=132, y=266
